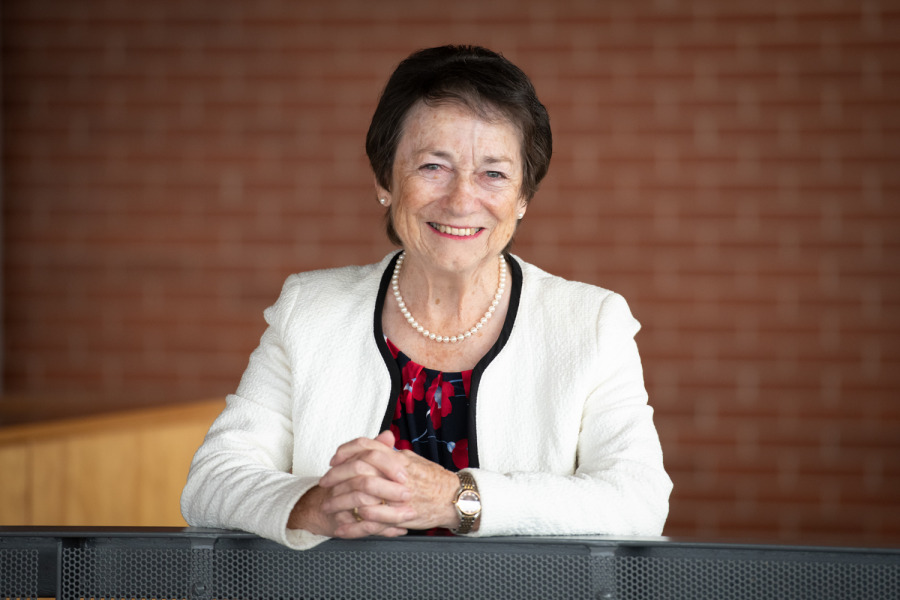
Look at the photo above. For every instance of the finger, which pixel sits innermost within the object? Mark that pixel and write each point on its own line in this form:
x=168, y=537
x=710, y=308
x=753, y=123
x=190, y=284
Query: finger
x=386, y=437
x=373, y=520
x=394, y=532
x=349, y=470
x=353, y=498
x=388, y=514
x=347, y=502
x=390, y=463
x=383, y=490
x=348, y=450
x=367, y=528
x=352, y=448
x=361, y=467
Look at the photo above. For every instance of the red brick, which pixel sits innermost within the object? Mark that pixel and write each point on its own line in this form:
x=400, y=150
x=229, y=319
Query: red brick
x=729, y=167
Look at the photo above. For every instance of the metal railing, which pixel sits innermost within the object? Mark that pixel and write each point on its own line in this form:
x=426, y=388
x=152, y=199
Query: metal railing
x=202, y=564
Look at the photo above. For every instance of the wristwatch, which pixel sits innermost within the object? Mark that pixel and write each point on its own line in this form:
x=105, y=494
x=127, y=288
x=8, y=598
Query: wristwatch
x=467, y=503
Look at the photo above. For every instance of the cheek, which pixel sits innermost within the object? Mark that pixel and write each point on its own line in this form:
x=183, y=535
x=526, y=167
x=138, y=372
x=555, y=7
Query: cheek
x=509, y=208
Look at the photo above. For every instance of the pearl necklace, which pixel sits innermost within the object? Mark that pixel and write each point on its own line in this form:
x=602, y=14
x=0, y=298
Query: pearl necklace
x=395, y=284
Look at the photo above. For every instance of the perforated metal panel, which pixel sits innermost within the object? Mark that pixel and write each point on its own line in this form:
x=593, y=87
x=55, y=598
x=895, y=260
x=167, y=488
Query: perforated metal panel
x=255, y=574
x=212, y=566
x=126, y=573
x=390, y=575
x=640, y=578
x=271, y=574
x=18, y=573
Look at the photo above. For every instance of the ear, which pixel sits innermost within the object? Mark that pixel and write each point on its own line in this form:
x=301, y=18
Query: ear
x=521, y=208
x=384, y=196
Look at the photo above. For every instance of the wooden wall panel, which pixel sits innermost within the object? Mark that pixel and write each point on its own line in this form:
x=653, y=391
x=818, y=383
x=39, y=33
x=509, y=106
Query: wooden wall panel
x=49, y=482
x=164, y=456
x=103, y=479
x=14, y=484
x=115, y=470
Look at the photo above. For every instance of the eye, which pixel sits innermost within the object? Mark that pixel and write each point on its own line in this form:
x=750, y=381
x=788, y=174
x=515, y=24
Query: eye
x=495, y=175
x=430, y=167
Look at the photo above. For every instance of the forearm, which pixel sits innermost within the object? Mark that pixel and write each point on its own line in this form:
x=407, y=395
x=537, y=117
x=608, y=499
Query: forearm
x=307, y=513
x=546, y=504
x=618, y=486
x=246, y=497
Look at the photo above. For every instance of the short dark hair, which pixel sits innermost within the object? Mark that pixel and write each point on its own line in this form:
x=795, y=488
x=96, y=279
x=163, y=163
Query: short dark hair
x=480, y=79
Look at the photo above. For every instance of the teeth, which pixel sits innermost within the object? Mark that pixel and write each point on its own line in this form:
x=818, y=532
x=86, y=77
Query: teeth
x=462, y=232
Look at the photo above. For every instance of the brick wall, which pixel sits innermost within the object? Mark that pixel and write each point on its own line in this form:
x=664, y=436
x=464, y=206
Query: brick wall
x=731, y=168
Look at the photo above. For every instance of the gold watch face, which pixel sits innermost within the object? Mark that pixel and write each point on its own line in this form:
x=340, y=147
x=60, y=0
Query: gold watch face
x=469, y=503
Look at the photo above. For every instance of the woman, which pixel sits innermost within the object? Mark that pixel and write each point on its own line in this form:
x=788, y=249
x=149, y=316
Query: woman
x=515, y=398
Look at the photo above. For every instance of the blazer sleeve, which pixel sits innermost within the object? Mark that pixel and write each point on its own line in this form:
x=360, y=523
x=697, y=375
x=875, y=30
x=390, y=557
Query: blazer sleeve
x=619, y=485
x=240, y=476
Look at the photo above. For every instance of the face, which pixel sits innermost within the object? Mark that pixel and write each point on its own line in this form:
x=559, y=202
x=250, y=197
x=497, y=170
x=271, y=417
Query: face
x=456, y=188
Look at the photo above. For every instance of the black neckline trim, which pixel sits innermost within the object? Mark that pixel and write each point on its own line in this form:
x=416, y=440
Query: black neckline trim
x=391, y=364
x=386, y=356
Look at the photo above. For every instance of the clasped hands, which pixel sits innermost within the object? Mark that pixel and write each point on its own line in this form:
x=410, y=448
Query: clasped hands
x=372, y=489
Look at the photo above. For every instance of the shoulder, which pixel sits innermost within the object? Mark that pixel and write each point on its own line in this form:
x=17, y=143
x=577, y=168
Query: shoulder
x=340, y=277
x=328, y=288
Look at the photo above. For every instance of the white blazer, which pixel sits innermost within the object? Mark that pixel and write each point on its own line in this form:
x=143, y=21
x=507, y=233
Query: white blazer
x=563, y=442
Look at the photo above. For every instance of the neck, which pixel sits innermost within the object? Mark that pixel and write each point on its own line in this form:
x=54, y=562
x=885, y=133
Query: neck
x=449, y=303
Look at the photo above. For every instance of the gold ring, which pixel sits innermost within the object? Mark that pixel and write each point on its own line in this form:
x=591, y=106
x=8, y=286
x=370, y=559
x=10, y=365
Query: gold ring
x=356, y=515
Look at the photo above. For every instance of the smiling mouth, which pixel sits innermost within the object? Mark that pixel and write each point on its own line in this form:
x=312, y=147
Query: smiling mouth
x=457, y=231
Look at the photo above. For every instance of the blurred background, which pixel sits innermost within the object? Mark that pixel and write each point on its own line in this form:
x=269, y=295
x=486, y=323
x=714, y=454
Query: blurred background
x=731, y=168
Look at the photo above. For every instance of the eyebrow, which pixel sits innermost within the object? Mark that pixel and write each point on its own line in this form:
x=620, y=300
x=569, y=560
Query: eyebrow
x=491, y=160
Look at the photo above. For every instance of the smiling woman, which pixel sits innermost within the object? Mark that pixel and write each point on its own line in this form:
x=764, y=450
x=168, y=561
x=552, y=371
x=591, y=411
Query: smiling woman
x=454, y=202
x=454, y=170
x=511, y=403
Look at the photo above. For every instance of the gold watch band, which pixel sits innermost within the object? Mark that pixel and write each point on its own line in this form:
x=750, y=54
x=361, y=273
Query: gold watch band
x=467, y=496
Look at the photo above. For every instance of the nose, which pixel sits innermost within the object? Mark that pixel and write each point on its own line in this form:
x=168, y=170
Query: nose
x=462, y=196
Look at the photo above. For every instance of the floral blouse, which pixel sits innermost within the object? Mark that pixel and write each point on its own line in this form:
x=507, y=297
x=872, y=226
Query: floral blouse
x=431, y=415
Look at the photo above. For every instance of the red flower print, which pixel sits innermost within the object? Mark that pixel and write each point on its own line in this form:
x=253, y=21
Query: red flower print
x=467, y=381
x=446, y=398
x=439, y=392
x=461, y=454
x=399, y=444
x=413, y=372
x=413, y=391
x=430, y=413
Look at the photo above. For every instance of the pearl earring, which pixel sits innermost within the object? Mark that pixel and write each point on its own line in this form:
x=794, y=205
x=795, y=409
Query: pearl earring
x=521, y=214
x=383, y=201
